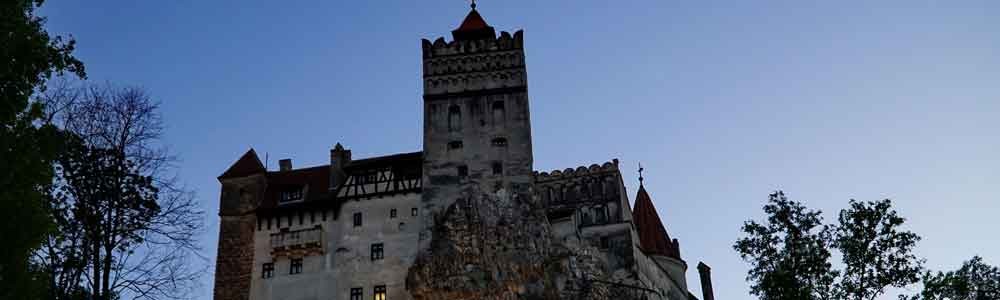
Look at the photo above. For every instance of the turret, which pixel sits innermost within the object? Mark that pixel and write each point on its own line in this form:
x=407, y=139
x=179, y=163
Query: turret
x=339, y=157
x=242, y=188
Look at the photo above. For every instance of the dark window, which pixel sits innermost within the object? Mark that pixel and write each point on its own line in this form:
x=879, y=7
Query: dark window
x=454, y=118
x=379, y=292
x=356, y=293
x=605, y=244
x=499, y=142
x=392, y=213
x=463, y=171
x=498, y=113
x=377, y=252
x=291, y=195
x=413, y=211
x=296, y=266
x=268, y=270
x=357, y=219
x=497, y=168
x=455, y=145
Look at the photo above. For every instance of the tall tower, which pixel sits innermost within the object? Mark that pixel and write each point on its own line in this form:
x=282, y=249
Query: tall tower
x=477, y=130
x=481, y=218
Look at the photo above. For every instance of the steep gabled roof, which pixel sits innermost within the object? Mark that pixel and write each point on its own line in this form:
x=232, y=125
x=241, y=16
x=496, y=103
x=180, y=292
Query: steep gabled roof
x=247, y=165
x=653, y=238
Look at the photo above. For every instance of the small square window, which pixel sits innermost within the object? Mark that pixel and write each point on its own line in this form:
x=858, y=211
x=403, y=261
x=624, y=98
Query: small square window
x=267, y=270
x=377, y=253
x=379, y=292
x=497, y=168
x=413, y=211
x=392, y=213
x=454, y=145
x=357, y=219
x=296, y=266
x=356, y=293
x=463, y=171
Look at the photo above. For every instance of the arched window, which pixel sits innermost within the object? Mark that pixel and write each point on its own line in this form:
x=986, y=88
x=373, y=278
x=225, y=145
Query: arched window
x=498, y=113
x=454, y=118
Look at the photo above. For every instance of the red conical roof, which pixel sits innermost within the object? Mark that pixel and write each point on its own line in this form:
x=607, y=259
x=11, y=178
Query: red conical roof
x=474, y=27
x=248, y=164
x=653, y=238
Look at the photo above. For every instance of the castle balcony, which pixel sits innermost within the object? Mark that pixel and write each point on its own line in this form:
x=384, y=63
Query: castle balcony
x=297, y=242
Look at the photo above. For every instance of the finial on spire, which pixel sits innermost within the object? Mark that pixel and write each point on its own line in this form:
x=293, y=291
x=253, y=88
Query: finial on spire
x=640, y=173
x=473, y=4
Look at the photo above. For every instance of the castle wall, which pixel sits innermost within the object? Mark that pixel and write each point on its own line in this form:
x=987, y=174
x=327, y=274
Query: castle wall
x=345, y=260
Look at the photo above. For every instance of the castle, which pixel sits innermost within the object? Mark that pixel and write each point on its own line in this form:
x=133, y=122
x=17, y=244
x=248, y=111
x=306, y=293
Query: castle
x=466, y=218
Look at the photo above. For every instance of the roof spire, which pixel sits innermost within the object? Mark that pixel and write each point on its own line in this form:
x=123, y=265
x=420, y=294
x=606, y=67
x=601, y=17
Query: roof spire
x=473, y=5
x=640, y=173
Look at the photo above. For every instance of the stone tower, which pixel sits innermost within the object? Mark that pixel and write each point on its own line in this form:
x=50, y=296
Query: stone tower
x=242, y=187
x=482, y=220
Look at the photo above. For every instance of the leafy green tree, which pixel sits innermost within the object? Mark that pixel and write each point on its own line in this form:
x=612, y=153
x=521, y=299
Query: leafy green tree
x=788, y=253
x=877, y=253
x=975, y=280
x=28, y=57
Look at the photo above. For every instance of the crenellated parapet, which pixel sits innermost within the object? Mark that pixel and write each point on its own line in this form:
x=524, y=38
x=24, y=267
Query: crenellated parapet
x=594, y=192
x=474, y=65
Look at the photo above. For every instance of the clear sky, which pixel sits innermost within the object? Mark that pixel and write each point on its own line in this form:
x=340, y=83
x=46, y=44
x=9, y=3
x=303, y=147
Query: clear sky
x=722, y=102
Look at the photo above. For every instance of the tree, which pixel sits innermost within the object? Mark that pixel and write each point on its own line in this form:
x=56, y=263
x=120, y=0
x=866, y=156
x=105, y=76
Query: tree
x=975, y=280
x=110, y=203
x=119, y=128
x=28, y=57
x=789, y=253
x=876, y=253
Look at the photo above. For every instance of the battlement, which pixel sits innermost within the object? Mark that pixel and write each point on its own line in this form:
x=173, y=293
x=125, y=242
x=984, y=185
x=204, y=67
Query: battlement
x=474, y=65
x=581, y=171
x=504, y=42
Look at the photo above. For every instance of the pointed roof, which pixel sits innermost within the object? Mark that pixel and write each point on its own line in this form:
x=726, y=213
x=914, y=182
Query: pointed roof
x=248, y=164
x=653, y=238
x=474, y=27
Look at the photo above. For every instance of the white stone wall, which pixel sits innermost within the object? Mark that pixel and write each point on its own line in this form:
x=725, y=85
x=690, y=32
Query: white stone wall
x=346, y=262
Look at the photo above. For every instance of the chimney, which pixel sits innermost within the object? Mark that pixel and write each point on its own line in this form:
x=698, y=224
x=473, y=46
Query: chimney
x=706, y=281
x=285, y=165
x=339, y=157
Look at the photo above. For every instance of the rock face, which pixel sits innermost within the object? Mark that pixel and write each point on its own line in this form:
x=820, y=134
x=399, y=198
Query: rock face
x=490, y=247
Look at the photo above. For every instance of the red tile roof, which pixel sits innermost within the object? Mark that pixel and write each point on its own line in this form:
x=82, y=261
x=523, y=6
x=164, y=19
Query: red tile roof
x=474, y=27
x=653, y=238
x=315, y=181
x=248, y=164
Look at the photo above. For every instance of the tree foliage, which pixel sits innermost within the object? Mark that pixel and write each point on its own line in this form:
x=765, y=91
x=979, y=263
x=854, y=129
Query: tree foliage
x=28, y=57
x=876, y=253
x=789, y=252
x=975, y=280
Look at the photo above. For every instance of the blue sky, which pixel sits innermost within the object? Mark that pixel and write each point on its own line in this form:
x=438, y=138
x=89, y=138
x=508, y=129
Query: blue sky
x=722, y=102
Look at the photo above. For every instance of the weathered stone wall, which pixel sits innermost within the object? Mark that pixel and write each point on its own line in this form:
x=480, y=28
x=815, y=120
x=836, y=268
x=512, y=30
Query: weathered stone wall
x=239, y=197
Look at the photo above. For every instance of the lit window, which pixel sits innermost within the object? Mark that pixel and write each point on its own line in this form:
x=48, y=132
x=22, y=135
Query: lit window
x=296, y=266
x=377, y=253
x=379, y=292
x=357, y=219
x=499, y=142
x=268, y=271
x=392, y=213
x=291, y=195
x=413, y=211
x=356, y=293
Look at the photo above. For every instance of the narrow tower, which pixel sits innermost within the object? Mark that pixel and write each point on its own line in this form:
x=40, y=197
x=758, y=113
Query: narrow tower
x=242, y=185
